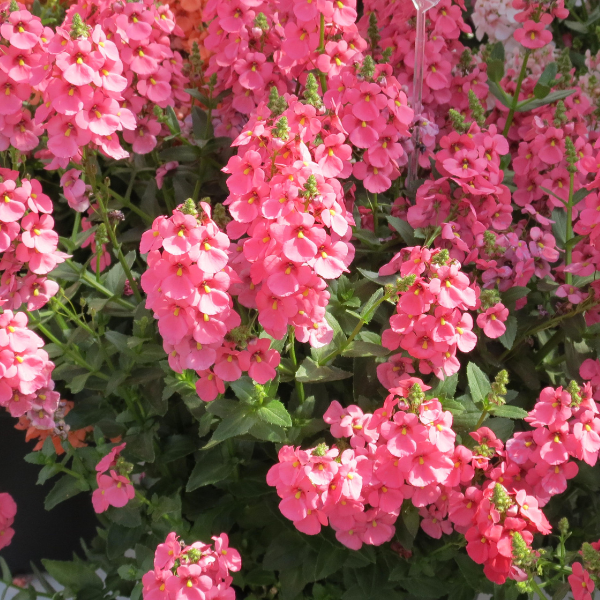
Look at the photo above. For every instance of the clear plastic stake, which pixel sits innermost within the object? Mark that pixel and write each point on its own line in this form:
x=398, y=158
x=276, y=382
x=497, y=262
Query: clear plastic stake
x=422, y=7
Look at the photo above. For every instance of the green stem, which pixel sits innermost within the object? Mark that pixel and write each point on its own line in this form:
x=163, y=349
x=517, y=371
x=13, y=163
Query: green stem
x=537, y=589
x=74, y=317
x=85, y=276
x=125, y=200
x=569, y=232
x=363, y=320
x=320, y=50
x=375, y=209
x=515, y=102
x=484, y=414
x=77, y=359
x=299, y=384
x=587, y=304
x=76, y=227
x=90, y=172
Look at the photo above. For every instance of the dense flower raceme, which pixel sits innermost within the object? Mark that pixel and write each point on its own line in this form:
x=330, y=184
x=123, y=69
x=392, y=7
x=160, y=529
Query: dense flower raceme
x=187, y=285
x=114, y=486
x=431, y=321
x=450, y=69
x=196, y=572
x=94, y=79
x=407, y=450
x=28, y=243
x=8, y=510
x=28, y=247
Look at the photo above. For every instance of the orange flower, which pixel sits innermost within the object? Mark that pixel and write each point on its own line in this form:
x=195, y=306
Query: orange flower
x=76, y=438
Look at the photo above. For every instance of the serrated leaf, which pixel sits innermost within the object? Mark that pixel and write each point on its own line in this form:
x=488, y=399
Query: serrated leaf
x=244, y=389
x=310, y=372
x=274, y=413
x=66, y=487
x=508, y=411
x=479, y=384
x=74, y=575
x=368, y=310
x=237, y=423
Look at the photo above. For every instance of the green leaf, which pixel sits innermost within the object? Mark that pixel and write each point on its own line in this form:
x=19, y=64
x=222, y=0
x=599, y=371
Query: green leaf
x=244, y=389
x=172, y=121
x=368, y=310
x=366, y=236
x=473, y=574
x=66, y=487
x=497, y=51
x=411, y=518
x=127, y=516
x=510, y=296
x=446, y=387
x=508, y=411
x=74, y=575
x=181, y=153
x=507, y=339
x=237, y=423
x=141, y=445
x=546, y=81
x=6, y=575
x=500, y=94
x=559, y=227
x=495, y=70
x=359, y=348
x=177, y=446
x=268, y=432
x=120, y=539
x=503, y=428
x=310, y=372
x=528, y=105
x=403, y=228
x=479, y=384
x=128, y=572
x=580, y=195
x=379, y=279
x=425, y=587
x=275, y=413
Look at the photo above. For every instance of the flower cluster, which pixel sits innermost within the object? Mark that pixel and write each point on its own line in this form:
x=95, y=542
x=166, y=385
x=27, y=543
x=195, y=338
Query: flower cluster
x=196, y=572
x=289, y=207
x=114, y=486
x=187, y=284
x=8, y=510
x=406, y=449
x=431, y=321
x=450, y=69
x=95, y=79
x=28, y=243
x=61, y=431
x=26, y=386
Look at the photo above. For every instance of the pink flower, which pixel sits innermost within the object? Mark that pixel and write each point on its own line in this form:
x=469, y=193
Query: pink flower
x=492, y=320
x=533, y=35
x=582, y=585
x=259, y=360
x=113, y=490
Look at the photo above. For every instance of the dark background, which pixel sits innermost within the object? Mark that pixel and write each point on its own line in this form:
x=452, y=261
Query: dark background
x=39, y=533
